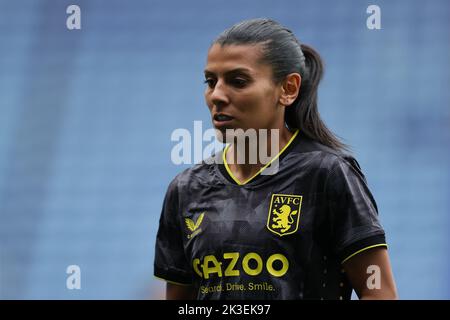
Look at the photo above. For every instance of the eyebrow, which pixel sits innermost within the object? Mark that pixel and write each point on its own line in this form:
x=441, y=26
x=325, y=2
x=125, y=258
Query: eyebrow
x=237, y=70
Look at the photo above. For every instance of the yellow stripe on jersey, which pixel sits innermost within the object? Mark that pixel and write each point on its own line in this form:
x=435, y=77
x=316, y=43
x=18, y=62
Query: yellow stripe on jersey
x=261, y=170
x=364, y=249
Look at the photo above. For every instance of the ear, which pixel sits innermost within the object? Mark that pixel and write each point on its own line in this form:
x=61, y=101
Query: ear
x=290, y=89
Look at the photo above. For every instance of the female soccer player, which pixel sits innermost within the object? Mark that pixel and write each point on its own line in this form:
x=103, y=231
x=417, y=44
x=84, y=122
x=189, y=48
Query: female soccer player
x=309, y=230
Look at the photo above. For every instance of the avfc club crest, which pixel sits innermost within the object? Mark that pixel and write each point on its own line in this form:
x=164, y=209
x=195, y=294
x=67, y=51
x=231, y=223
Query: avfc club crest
x=284, y=214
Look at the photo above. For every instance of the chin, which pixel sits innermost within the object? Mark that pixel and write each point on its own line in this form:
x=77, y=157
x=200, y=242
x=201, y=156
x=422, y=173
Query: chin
x=221, y=134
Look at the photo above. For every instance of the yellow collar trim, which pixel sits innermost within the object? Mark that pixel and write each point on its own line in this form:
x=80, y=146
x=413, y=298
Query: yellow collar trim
x=224, y=153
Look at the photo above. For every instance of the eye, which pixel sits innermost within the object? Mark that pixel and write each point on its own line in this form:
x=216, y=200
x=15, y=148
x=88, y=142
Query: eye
x=210, y=82
x=239, y=82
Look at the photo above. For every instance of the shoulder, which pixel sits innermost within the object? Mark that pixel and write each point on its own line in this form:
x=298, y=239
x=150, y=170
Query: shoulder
x=323, y=157
x=201, y=174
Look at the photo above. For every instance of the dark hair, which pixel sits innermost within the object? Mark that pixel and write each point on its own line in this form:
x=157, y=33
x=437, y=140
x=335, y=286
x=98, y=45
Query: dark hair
x=286, y=55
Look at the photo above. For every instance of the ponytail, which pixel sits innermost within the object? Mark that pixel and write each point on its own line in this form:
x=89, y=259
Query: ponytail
x=303, y=114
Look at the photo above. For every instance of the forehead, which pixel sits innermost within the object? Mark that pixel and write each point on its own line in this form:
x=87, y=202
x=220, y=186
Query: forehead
x=224, y=58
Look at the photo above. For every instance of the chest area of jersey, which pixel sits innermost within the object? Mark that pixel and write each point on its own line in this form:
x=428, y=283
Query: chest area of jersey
x=253, y=218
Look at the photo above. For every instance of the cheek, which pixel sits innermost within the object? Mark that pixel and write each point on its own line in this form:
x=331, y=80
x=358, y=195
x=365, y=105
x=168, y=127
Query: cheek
x=251, y=100
x=271, y=97
x=263, y=101
x=208, y=101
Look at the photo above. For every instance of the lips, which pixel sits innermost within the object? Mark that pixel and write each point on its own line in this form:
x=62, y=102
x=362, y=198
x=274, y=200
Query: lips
x=221, y=117
x=222, y=120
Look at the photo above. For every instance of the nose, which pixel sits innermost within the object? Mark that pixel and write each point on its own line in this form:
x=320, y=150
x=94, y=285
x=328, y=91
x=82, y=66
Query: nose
x=218, y=95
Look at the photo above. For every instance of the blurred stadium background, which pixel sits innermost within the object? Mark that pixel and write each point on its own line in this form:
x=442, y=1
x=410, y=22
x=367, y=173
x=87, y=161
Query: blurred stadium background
x=86, y=118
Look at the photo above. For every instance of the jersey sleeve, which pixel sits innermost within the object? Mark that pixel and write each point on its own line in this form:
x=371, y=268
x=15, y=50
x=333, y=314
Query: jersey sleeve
x=355, y=226
x=170, y=260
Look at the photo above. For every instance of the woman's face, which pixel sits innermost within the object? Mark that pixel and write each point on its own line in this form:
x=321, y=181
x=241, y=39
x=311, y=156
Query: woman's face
x=240, y=92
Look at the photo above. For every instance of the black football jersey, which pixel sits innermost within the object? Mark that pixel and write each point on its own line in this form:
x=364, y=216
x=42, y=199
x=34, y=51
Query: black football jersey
x=278, y=236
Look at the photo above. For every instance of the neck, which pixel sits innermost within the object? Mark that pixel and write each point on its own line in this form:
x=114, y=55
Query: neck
x=244, y=156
